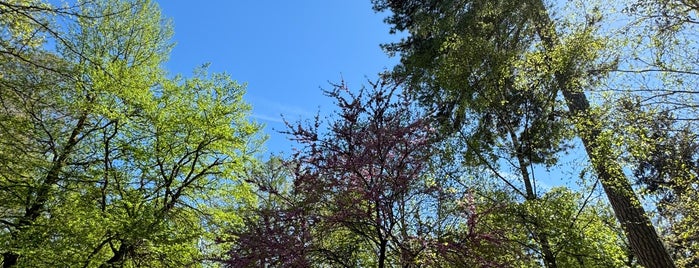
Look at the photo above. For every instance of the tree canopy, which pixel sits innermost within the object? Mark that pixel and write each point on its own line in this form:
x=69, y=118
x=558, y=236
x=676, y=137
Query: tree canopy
x=510, y=134
x=106, y=161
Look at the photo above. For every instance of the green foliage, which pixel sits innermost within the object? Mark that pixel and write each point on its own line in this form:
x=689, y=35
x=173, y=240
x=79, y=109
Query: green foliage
x=23, y=24
x=663, y=155
x=497, y=73
x=582, y=232
x=108, y=163
x=579, y=227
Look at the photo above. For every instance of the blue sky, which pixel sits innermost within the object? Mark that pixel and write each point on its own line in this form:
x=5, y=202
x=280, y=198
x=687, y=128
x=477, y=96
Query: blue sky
x=285, y=51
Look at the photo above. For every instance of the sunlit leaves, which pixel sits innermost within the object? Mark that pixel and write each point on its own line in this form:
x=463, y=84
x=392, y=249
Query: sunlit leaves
x=115, y=164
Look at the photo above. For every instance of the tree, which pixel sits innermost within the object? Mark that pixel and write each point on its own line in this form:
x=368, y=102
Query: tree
x=277, y=231
x=665, y=163
x=363, y=192
x=29, y=24
x=109, y=163
x=367, y=169
x=437, y=28
x=21, y=21
x=656, y=81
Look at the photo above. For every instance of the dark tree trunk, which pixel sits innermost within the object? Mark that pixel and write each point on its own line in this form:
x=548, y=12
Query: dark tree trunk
x=42, y=193
x=644, y=240
x=382, y=253
x=549, y=257
x=540, y=235
x=9, y=259
x=119, y=256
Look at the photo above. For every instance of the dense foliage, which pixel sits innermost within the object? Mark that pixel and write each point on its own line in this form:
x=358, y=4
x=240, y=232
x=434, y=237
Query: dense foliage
x=511, y=134
x=105, y=161
x=526, y=73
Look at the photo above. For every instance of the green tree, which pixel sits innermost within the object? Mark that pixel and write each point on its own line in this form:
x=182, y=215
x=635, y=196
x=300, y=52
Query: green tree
x=21, y=22
x=654, y=92
x=665, y=160
x=28, y=24
x=108, y=163
x=567, y=56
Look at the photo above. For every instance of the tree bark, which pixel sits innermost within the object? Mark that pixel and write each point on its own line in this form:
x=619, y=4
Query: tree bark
x=549, y=257
x=539, y=235
x=643, y=239
x=382, y=253
x=33, y=211
x=9, y=259
x=119, y=256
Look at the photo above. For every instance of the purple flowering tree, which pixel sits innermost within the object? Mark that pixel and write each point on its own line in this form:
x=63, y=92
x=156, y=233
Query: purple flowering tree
x=367, y=166
x=361, y=192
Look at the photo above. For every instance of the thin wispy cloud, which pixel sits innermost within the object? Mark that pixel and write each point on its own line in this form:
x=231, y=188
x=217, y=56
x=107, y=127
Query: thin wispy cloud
x=264, y=107
x=262, y=117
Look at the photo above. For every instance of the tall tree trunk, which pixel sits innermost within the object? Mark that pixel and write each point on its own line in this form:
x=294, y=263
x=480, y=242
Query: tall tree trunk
x=540, y=235
x=644, y=240
x=382, y=253
x=33, y=211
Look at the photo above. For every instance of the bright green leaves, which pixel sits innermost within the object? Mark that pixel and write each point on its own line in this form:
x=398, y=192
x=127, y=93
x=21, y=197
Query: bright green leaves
x=498, y=74
x=176, y=166
x=580, y=230
x=212, y=103
x=108, y=162
x=131, y=33
x=22, y=23
x=120, y=47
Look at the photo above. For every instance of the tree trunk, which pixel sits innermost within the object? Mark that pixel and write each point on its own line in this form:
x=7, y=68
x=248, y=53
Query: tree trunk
x=119, y=256
x=9, y=259
x=644, y=240
x=549, y=257
x=539, y=235
x=33, y=211
x=382, y=253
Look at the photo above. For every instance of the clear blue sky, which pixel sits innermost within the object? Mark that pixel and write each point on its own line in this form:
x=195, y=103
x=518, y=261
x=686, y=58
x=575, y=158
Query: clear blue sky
x=284, y=50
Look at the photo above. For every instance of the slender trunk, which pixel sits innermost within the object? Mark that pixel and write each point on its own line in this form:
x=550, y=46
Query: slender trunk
x=522, y=162
x=33, y=211
x=382, y=253
x=644, y=240
x=383, y=241
x=549, y=257
x=540, y=235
